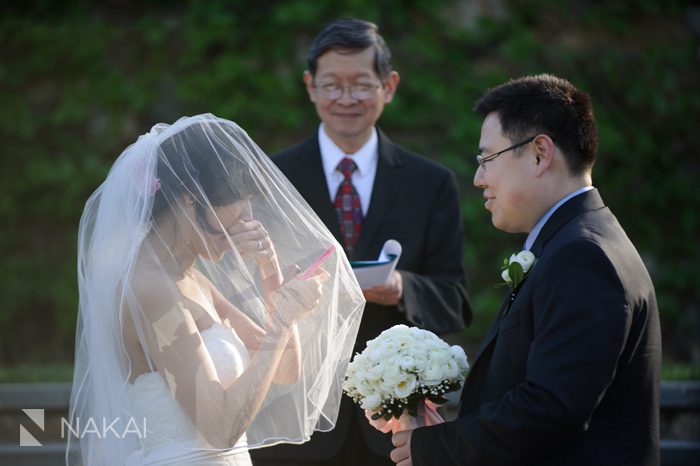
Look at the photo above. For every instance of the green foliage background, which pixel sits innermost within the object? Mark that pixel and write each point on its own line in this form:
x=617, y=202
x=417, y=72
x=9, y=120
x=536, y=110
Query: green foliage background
x=81, y=80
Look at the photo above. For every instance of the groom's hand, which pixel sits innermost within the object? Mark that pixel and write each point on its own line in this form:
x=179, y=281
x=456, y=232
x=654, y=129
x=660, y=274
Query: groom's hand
x=401, y=455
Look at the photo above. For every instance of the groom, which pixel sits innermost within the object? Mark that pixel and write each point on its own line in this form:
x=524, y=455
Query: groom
x=569, y=372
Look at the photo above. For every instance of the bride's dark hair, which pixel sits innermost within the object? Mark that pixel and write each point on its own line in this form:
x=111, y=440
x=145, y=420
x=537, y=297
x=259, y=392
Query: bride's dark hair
x=193, y=162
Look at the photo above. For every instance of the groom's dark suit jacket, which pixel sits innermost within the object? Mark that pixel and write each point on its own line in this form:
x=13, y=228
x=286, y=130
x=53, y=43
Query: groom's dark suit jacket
x=414, y=201
x=570, y=374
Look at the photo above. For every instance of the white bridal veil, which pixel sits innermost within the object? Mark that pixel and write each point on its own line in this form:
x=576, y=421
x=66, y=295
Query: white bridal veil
x=196, y=333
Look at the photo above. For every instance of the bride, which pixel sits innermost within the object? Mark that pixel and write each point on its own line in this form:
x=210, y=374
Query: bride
x=198, y=338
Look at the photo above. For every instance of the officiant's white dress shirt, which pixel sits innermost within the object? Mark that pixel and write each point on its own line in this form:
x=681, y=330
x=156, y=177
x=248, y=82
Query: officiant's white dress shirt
x=365, y=159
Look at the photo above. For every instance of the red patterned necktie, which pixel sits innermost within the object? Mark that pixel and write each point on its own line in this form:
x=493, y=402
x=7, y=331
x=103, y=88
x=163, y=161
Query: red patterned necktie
x=348, y=207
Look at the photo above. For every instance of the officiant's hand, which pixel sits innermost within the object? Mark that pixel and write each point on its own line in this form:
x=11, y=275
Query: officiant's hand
x=389, y=294
x=401, y=455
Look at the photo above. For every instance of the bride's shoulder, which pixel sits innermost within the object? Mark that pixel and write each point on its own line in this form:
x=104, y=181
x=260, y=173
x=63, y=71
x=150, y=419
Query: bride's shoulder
x=154, y=290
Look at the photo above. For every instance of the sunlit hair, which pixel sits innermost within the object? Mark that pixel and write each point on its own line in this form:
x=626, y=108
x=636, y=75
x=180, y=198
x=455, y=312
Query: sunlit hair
x=546, y=104
x=191, y=162
x=351, y=36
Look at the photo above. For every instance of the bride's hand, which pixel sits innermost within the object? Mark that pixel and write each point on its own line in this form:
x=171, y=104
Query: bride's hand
x=253, y=241
x=297, y=298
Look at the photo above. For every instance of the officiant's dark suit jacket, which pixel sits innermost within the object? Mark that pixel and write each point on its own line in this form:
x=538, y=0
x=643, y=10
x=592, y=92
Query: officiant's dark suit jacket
x=569, y=373
x=414, y=201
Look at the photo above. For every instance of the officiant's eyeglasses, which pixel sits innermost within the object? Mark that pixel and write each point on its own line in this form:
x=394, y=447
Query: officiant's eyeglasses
x=483, y=159
x=358, y=91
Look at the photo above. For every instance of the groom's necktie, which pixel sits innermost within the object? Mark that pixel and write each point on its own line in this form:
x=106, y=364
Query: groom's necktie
x=348, y=207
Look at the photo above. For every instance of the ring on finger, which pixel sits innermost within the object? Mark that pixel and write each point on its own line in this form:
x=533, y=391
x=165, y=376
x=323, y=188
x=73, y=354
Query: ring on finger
x=259, y=245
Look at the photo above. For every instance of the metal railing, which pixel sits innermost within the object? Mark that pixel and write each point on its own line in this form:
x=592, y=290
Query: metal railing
x=680, y=423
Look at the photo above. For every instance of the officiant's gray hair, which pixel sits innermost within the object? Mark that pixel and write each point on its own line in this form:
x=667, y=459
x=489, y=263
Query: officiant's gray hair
x=351, y=36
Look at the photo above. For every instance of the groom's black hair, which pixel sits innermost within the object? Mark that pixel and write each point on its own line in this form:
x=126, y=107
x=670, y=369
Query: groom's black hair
x=546, y=104
x=351, y=36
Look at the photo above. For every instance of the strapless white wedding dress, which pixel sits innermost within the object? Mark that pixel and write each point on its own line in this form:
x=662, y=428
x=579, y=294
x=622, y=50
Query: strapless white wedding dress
x=170, y=435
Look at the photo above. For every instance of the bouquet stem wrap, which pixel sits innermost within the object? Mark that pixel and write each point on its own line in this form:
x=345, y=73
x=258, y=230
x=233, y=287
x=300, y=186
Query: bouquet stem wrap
x=427, y=416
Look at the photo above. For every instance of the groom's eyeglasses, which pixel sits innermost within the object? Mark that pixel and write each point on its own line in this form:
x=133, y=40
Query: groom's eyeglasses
x=483, y=159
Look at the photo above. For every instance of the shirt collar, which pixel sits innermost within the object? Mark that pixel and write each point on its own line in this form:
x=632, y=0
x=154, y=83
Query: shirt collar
x=331, y=155
x=540, y=223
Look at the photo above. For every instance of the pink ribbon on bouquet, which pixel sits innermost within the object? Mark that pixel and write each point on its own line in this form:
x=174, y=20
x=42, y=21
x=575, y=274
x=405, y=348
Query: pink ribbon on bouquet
x=427, y=416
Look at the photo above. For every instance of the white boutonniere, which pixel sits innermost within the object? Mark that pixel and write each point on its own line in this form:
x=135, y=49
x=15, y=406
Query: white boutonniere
x=516, y=267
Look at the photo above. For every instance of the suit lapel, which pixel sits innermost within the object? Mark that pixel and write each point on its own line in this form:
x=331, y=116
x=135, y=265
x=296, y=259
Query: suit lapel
x=590, y=200
x=316, y=192
x=492, y=332
x=385, y=188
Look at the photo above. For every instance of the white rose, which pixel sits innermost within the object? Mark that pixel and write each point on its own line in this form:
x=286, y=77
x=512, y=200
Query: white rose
x=524, y=258
x=381, y=353
x=407, y=363
x=418, y=334
x=376, y=372
x=433, y=372
x=438, y=354
x=392, y=374
x=451, y=370
x=402, y=341
x=420, y=361
x=404, y=388
x=460, y=356
x=395, y=330
x=365, y=388
x=359, y=359
x=372, y=402
x=505, y=276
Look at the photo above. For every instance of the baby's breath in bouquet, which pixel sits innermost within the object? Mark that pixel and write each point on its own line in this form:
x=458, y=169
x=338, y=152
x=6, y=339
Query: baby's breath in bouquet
x=402, y=376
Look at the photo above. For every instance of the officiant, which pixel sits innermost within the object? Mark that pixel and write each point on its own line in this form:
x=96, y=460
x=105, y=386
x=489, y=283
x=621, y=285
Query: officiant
x=367, y=190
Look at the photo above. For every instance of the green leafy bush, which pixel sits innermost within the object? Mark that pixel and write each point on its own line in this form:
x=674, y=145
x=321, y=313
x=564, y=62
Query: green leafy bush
x=81, y=81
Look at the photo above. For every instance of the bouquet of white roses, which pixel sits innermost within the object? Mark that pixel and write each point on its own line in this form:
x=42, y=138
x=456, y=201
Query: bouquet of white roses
x=402, y=370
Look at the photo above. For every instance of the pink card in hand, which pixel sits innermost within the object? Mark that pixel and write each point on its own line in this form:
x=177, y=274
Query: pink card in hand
x=317, y=264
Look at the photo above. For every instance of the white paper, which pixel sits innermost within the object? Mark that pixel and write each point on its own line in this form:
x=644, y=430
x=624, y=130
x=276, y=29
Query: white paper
x=371, y=273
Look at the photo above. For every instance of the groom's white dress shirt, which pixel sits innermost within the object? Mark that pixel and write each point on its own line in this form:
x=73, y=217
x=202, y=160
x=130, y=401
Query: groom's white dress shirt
x=532, y=236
